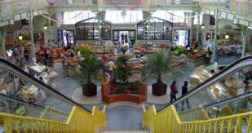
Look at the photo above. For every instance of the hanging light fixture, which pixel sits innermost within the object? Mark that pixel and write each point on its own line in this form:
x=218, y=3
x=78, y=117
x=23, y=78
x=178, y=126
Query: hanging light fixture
x=45, y=27
x=227, y=37
x=203, y=27
x=20, y=37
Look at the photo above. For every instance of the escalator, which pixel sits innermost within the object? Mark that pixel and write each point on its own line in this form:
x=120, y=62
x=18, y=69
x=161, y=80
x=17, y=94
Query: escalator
x=237, y=70
x=222, y=103
x=27, y=104
x=19, y=107
x=51, y=93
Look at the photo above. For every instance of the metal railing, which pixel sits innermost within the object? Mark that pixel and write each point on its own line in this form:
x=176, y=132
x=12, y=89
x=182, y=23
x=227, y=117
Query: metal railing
x=168, y=119
x=78, y=119
x=20, y=73
x=246, y=61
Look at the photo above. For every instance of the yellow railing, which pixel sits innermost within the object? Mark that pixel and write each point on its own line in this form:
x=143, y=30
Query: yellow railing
x=79, y=121
x=168, y=121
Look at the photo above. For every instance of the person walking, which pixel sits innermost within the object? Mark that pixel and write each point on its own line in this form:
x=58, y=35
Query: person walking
x=184, y=92
x=46, y=57
x=173, y=93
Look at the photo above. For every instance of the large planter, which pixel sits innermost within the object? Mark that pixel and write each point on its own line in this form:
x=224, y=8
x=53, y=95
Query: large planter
x=89, y=89
x=159, y=89
x=109, y=94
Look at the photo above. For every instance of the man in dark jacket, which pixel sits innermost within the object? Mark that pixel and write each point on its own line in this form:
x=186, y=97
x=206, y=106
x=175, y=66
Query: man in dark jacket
x=184, y=92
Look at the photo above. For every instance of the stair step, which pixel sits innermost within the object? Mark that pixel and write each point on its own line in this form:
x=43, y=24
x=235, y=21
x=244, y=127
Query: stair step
x=1, y=129
x=125, y=131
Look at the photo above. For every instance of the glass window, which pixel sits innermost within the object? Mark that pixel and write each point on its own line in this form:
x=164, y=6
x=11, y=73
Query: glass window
x=154, y=29
x=91, y=30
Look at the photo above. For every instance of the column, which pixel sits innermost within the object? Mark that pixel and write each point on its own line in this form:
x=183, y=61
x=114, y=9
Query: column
x=215, y=43
x=191, y=28
x=2, y=44
x=244, y=38
x=198, y=27
x=33, y=54
x=100, y=21
x=100, y=5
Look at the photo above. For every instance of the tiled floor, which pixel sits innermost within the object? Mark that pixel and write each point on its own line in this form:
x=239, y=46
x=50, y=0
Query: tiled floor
x=225, y=60
x=77, y=96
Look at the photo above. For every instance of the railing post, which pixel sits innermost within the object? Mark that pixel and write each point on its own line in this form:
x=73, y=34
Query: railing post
x=229, y=127
x=249, y=123
x=238, y=125
x=222, y=126
x=7, y=126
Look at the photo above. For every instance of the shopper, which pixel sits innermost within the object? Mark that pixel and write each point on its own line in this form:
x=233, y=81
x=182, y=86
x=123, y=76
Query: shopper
x=246, y=85
x=173, y=93
x=184, y=92
x=46, y=57
x=243, y=104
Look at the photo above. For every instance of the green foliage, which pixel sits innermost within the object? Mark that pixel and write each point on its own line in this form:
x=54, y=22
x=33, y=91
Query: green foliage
x=90, y=66
x=179, y=50
x=85, y=51
x=156, y=65
x=122, y=71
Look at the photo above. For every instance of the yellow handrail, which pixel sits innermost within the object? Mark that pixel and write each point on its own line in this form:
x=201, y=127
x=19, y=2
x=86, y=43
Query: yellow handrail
x=168, y=121
x=79, y=121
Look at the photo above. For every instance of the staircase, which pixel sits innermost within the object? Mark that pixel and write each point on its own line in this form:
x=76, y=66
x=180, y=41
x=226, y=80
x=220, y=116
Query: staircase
x=125, y=131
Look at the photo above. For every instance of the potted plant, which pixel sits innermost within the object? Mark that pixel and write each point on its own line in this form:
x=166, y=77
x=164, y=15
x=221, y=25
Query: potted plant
x=122, y=72
x=90, y=66
x=156, y=65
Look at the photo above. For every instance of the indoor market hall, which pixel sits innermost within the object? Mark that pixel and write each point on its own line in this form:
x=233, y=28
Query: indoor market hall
x=125, y=66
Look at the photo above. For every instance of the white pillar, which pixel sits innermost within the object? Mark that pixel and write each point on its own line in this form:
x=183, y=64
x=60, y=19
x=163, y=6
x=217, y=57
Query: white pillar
x=33, y=51
x=215, y=36
x=3, y=50
x=198, y=27
x=191, y=28
x=243, y=36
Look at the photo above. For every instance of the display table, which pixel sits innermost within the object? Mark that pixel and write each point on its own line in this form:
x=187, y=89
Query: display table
x=29, y=93
x=197, y=54
x=57, y=53
x=72, y=61
x=36, y=69
x=136, y=63
x=5, y=88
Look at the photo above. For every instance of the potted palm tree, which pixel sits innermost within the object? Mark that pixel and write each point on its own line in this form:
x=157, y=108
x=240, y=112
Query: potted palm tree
x=90, y=66
x=156, y=65
x=122, y=72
